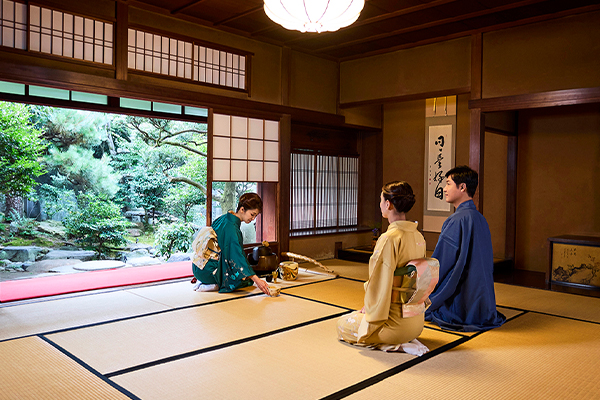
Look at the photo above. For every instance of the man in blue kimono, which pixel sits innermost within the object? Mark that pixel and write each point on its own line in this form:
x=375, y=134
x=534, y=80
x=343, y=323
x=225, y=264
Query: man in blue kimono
x=464, y=299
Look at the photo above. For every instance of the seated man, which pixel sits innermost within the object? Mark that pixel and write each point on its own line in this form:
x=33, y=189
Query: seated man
x=464, y=298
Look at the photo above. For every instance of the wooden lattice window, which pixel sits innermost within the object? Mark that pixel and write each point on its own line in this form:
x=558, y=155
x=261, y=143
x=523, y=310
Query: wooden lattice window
x=67, y=35
x=13, y=24
x=155, y=53
x=324, y=192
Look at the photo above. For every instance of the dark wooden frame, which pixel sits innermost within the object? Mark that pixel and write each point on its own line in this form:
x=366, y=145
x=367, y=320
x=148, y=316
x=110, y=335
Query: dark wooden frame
x=576, y=240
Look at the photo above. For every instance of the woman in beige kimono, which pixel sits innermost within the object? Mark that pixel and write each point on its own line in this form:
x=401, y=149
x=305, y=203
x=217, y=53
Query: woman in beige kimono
x=397, y=290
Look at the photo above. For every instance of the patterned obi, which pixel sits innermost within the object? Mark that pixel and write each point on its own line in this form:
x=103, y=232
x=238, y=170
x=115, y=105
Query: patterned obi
x=418, y=279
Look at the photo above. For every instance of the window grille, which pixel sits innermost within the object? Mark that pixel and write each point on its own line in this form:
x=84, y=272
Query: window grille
x=13, y=25
x=324, y=192
x=67, y=35
x=159, y=54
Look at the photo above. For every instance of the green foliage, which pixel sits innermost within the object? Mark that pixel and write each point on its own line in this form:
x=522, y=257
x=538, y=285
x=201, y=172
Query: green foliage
x=65, y=127
x=57, y=199
x=170, y=238
x=25, y=226
x=20, y=150
x=97, y=224
x=83, y=171
x=30, y=242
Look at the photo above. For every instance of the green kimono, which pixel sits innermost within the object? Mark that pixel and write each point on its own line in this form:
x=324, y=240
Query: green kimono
x=230, y=270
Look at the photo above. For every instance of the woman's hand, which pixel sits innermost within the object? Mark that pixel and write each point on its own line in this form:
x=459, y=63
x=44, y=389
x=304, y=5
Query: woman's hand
x=262, y=285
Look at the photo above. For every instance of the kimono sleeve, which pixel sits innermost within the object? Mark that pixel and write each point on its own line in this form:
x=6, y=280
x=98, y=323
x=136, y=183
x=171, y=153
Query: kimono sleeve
x=447, y=252
x=234, y=266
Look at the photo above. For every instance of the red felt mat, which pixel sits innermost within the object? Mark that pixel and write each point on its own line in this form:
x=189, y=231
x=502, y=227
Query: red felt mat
x=60, y=284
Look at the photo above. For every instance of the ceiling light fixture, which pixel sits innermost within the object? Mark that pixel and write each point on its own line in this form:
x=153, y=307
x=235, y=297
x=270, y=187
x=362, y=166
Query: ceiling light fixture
x=314, y=15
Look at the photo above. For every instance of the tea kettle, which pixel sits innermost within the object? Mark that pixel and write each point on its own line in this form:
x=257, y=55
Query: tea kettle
x=262, y=259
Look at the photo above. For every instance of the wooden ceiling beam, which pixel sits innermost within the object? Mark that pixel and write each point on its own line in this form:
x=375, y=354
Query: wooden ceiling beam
x=429, y=25
x=490, y=28
x=240, y=15
x=186, y=7
x=379, y=18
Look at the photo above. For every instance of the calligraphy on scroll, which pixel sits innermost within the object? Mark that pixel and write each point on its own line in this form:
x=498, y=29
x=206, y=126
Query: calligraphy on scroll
x=438, y=163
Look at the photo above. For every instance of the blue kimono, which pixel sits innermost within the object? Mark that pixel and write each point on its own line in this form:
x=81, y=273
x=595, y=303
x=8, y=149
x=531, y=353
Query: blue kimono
x=229, y=271
x=464, y=299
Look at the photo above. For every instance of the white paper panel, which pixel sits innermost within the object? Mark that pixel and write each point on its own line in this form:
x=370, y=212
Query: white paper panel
x=239, y=149
x=221, y=170
x=239, y=127
x=271, y=172
x=271, y=130
x=221, y=125
x=271, y=151
x=239, y=171
x=255, y=171
x=255, y=150
x=221, y=147
x=255, y=130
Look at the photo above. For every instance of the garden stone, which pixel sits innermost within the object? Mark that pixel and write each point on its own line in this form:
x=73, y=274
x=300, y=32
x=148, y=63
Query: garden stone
x=135, y=232
x=82, y=255
x=3, y=255
x=98, y=265
x=26, y=265
x=52, y=228
x=21, y=253
x=141, y=261
x=50, y=265
x=137, y=246
x=179, y=257
x=15, y=267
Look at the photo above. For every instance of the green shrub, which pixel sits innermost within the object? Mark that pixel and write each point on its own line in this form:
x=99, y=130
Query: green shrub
x=25, y=226
x=170, y=238
x=97, y=223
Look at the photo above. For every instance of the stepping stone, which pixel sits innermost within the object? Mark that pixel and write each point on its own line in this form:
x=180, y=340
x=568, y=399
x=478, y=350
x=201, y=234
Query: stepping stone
x=142, y=261
x=98, y=265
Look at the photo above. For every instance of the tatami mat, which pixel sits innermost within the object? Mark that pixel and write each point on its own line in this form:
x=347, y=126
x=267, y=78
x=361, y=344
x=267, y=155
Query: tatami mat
x=340, y=292
x=34, y=369
x=166, y=341
x=45, y=316
x=531, y=357
x=112, y=347
x=550, y=302
x=347, y=269
x=94, y=307
x=303, y=363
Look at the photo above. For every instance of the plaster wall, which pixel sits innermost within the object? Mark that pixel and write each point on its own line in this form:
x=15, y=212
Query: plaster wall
x=313, y=83
x=551, y=55
x=424, y=69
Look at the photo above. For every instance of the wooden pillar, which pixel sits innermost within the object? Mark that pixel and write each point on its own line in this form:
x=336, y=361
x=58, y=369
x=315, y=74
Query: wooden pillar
x=511, y=199
x=121, y=34
x=283, y=205
x=477, y=137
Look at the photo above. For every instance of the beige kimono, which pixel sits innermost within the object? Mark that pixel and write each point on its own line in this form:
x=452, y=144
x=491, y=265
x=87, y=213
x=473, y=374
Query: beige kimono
x=395, y=293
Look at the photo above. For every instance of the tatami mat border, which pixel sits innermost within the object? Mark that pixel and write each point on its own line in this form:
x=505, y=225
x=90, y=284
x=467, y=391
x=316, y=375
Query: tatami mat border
x=151, y=313
x=221, y=346
x=110, y=321
x=317, y=301
x=104, y=378
x=548, y=314
x=397, y=369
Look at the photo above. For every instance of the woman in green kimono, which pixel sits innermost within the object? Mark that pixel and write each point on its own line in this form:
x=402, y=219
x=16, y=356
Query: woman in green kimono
x=231, y=270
